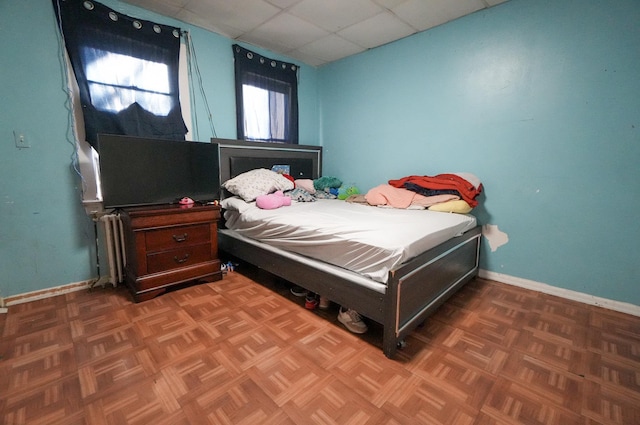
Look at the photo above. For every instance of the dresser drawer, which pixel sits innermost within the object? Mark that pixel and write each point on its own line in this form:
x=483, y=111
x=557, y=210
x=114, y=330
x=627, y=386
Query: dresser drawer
x=175, y=258
x=175, y=237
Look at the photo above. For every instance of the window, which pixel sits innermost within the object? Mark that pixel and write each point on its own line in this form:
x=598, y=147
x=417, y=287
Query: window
x=118, y=81
x=126, y=70
x=266, y=98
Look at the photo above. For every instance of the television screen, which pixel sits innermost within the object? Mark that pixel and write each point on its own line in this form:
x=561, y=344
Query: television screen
x=142, y=171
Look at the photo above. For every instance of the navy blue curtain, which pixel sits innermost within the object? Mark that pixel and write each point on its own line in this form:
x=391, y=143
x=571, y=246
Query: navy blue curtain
x=277, y=77
x=96, y=37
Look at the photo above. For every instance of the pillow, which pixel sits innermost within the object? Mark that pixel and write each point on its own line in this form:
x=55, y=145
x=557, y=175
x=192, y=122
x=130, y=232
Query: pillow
x=306, y=184
x=257, y=182
x=236, y=204
x=459, y=206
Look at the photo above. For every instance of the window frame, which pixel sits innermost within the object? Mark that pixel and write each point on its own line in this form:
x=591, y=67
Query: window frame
x=275, y=76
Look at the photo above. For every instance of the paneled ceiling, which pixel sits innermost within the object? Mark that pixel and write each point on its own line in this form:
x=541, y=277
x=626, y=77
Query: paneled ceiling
x=315, y=32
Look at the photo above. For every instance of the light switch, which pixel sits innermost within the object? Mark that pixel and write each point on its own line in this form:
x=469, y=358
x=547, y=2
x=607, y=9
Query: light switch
x=21, y=140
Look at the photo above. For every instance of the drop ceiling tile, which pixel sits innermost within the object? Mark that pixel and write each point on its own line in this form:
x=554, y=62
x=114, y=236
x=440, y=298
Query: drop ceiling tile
x=244, y=15
x=166, y=7
x=203, y=21
x=389, y=4
x=305, y=58
x=285, y=30
x=283, y=4
x=334, y=15
x=265, y=44
x=381, y=29
x=330, y=48
x=425, y=14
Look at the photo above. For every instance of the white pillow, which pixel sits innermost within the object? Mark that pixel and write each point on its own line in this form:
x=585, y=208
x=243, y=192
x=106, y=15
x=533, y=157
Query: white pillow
x=236, y=204
x=257, y=182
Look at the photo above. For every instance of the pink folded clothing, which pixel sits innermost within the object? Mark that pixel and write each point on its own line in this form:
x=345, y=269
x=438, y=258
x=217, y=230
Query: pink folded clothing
x=396, y=197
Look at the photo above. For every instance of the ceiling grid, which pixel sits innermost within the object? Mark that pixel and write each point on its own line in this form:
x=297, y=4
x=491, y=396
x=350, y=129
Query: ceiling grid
x=315, y=32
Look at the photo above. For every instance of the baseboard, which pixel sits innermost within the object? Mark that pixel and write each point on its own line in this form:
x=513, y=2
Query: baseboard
x=622, y=307
x=46, y=293
x=561, y=292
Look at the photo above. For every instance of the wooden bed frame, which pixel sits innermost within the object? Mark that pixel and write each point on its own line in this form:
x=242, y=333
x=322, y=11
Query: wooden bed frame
x=414, y=290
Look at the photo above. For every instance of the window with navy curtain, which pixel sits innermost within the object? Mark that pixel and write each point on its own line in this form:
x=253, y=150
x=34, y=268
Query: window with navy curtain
x=266, y=98
x=126, y=69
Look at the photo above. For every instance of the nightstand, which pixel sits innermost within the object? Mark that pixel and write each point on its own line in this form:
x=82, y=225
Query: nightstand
x=170, y=245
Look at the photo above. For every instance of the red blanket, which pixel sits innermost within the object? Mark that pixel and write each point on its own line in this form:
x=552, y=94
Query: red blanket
x=467, y=191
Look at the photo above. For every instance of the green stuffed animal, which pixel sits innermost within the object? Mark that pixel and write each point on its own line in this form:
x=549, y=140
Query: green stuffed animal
x=345, y=191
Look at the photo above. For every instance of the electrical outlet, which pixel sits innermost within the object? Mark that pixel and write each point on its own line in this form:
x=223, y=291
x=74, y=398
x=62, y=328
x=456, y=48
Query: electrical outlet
x=21, y=140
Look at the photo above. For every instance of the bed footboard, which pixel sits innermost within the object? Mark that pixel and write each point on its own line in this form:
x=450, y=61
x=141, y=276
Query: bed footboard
x=419, y=287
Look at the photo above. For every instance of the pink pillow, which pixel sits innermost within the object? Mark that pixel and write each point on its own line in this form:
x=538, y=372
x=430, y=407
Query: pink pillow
x=306, y=184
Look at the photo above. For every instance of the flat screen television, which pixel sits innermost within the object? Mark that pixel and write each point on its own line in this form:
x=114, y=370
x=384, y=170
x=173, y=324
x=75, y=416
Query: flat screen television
x=136, y=171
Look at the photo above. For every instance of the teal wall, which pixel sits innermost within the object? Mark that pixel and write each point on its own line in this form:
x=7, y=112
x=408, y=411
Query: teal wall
x=46, y=238
x=541, y=100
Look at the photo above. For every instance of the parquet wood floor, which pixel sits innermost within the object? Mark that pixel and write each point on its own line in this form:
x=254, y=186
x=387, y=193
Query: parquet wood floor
x=241, y=352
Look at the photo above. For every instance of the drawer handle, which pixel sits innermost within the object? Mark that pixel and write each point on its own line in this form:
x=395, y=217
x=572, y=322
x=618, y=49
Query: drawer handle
x=180, y=238
x=181, y=260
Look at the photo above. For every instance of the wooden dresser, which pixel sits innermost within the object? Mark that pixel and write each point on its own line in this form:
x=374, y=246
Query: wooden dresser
x=169, y=245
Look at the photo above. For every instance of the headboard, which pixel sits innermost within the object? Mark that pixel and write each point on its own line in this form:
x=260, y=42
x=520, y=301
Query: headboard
x=237, y=157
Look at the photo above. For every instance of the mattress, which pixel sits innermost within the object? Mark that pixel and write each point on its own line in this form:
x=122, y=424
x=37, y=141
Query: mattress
x=364, y=239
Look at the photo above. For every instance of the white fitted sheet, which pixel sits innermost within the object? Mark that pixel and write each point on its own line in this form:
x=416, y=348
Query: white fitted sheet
x=361, y=238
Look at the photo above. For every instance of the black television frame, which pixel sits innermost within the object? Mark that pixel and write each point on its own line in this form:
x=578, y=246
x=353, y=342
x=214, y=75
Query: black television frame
x=139, y=171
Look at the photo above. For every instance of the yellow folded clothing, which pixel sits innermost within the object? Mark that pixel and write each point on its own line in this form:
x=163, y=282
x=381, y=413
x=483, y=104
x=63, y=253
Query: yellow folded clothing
x=458, y=206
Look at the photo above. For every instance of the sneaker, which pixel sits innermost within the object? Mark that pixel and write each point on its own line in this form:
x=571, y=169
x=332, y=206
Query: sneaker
x=352, y=321
x=324, y=303
x=311, y=302
x=298, y=291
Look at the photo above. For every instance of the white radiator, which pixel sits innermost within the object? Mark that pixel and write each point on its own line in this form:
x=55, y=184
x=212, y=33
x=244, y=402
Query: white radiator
x=115, y=248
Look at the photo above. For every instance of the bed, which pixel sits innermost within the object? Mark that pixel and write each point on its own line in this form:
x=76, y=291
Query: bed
x=399, y=295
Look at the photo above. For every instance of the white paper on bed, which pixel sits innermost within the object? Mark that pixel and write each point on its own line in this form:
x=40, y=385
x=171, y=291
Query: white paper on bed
x=361, y=238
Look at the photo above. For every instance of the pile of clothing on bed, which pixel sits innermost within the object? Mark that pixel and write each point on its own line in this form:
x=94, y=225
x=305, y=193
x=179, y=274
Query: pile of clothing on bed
x=450, y=192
